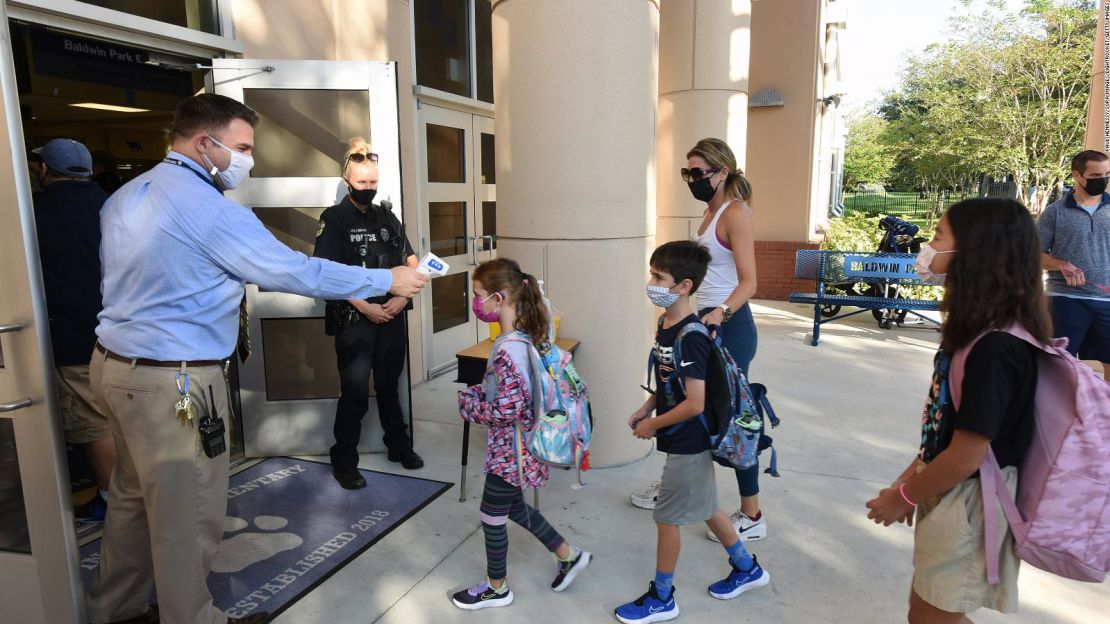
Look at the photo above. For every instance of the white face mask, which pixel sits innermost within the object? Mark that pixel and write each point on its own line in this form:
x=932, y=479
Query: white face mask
x=237, y=170
x=662, y=296
x=924, y=263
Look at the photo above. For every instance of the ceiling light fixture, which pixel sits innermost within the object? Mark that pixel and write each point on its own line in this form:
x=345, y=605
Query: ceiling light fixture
x=110, y=107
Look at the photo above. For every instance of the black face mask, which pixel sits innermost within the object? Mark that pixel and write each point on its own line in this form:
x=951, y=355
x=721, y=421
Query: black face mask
x=1095, y=186
x=362, y=196
x=703, y=190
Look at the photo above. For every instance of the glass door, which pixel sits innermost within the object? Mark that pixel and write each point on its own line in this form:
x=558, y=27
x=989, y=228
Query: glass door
x=456, y=193
x=309, y=109
x=38, y=544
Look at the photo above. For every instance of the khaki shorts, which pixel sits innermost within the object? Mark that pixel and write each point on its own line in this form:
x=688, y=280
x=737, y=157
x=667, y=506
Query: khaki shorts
x=688, y=491
x=82, y=418
x=949, y=558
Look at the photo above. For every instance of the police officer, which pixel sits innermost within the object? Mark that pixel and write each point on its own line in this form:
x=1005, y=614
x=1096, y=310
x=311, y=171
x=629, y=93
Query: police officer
x=370, y=334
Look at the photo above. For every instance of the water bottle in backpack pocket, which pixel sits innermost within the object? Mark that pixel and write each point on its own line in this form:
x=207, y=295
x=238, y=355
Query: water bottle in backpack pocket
x=738, y=446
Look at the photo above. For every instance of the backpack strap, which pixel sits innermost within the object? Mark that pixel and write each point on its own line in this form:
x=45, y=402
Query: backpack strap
x=994, y=487
x=759, y=394
x=698, y=328
x=651, y=362
x=537, y=400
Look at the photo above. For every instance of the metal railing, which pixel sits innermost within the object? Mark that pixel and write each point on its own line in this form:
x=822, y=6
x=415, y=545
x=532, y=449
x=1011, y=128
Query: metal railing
x=914, y=204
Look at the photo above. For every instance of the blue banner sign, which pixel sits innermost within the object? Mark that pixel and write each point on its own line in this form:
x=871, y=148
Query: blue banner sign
x=879, y=267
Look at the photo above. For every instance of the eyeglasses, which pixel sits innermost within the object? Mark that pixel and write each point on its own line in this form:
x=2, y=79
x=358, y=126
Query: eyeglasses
x=693, y=174
x=358, y=157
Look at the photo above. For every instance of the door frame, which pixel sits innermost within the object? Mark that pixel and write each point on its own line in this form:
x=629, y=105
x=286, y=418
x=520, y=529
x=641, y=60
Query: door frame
x=475, y=193
x=27, y=390
x=265, y=421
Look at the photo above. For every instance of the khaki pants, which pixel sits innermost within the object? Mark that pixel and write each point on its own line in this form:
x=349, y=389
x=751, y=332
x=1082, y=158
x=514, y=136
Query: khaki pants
x=82, y=418
x=167, y=500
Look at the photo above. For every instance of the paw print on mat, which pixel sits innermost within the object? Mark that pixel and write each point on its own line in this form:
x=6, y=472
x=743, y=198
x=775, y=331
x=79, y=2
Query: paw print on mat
x=243, y=550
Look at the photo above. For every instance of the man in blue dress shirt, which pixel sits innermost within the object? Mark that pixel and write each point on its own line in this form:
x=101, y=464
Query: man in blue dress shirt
x=176, y=254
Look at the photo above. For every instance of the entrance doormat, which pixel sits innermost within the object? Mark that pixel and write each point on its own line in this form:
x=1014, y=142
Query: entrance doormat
x=290, y=526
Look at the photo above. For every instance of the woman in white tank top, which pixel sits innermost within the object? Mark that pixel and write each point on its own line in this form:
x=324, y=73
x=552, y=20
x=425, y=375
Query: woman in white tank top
x=722, y=298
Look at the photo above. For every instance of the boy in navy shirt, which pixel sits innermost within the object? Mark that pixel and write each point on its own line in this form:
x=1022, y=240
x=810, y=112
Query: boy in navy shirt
x=688, y=493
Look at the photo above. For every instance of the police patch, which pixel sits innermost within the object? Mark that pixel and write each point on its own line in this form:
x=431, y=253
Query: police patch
x=385, y=234
x=320, y=228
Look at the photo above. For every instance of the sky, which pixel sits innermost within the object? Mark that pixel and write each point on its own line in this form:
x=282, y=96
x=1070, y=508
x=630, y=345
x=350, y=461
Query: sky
x=880, y=33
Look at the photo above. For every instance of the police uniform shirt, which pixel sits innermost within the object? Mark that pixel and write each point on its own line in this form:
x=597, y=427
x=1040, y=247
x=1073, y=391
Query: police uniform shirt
x=347, y=235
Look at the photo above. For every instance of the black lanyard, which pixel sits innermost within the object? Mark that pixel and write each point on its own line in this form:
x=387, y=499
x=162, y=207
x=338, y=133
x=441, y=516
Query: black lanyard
x=180, y=163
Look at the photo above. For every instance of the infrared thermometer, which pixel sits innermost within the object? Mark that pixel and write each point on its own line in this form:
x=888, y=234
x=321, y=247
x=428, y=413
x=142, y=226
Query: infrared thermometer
x=432, y=265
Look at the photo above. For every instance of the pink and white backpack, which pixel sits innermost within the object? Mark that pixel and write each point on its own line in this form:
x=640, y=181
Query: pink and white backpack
x=1061, y=521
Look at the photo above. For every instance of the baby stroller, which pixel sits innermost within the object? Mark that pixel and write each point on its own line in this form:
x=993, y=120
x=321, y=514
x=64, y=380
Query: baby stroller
x=899, y=236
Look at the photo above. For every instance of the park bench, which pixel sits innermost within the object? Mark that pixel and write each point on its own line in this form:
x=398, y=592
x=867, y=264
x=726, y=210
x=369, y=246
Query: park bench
x=852, y=279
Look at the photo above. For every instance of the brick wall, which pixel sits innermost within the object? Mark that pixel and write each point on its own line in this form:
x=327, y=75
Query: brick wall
x=775, y=262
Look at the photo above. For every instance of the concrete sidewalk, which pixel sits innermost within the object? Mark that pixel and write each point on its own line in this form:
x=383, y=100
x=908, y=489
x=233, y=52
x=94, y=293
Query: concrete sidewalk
x=851, y=410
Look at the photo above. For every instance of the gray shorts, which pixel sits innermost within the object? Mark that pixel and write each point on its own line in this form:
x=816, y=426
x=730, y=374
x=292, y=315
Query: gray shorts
x=688, y=493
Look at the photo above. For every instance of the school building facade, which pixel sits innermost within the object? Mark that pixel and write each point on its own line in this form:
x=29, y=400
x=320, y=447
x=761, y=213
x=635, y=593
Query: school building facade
x=549, y=132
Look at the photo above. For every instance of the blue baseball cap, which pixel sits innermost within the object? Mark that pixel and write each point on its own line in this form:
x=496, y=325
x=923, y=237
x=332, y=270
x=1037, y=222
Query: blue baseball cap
x=67, y=157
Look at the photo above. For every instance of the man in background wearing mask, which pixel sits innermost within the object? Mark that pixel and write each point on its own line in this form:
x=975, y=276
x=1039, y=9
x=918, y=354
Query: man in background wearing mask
x=176, y=254
x=1075, y=239
x=67, y=216
x=369, y=333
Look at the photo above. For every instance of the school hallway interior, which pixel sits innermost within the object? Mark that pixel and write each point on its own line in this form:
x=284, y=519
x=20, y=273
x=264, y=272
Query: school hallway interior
x=850, y=412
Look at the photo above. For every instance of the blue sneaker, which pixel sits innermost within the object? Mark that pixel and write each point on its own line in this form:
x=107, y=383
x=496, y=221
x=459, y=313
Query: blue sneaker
x=739, y=581
x=93, y=511
x=648, y=608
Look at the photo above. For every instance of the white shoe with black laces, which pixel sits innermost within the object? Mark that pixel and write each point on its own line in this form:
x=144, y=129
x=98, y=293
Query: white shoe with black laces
x=747, y=530
x=647, y=497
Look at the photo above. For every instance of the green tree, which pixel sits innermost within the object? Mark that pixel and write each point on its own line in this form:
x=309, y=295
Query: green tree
x=1005, y=95
x=867, y=158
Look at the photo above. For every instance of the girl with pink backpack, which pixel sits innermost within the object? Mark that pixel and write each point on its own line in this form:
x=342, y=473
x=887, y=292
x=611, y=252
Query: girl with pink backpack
x=987, y=254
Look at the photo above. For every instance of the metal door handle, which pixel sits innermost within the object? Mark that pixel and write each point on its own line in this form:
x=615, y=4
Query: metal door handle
x=489, y=247
x=15, y=405
x=474, y=250
x=8, y=328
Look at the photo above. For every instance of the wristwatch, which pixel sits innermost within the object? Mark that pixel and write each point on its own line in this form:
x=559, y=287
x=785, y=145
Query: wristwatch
x=727, y=310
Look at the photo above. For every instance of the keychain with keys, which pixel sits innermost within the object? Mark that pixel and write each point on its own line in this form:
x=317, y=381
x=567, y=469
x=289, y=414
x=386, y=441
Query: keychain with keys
x=184, y=405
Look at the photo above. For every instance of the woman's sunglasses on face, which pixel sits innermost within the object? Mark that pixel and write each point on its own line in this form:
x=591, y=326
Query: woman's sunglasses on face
x=693, y=174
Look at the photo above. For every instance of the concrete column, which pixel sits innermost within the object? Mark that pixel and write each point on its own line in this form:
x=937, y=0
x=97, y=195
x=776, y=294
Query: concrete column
x=1098, y=122
x=704, y=48
x=576, y=85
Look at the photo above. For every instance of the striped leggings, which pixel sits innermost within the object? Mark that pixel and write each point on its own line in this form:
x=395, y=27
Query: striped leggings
x=502, y=501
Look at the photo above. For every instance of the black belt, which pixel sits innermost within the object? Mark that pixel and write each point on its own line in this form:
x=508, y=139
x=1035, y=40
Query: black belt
x=156, y=363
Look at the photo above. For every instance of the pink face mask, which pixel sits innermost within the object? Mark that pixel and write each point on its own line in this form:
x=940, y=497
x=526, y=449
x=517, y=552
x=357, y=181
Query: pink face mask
x=477, y=305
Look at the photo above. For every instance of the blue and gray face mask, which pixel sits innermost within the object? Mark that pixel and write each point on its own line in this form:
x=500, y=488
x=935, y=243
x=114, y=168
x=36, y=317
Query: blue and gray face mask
x=661, y=296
